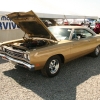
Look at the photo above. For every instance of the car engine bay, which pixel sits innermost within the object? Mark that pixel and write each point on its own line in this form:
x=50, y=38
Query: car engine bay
x=30, y=43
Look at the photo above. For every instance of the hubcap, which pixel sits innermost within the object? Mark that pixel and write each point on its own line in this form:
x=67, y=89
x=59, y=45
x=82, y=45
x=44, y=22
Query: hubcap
x=97, y=51
x=54, y=66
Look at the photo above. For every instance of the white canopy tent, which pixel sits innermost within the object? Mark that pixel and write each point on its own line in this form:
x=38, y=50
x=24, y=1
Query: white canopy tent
x=9, y=31
x=57, y=16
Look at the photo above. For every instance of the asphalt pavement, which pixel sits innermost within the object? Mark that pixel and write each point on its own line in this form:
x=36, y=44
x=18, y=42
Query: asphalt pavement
x=77, y=80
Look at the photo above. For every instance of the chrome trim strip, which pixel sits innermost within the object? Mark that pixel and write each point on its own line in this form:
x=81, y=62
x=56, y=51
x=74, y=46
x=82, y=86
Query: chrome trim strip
x=29, y=66
x=9, y=48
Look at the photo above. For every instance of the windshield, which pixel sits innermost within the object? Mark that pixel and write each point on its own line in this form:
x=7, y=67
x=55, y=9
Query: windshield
x=60, y=33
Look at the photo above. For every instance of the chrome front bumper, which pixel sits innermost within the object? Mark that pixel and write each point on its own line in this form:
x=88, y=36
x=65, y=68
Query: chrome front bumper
x=27, y=65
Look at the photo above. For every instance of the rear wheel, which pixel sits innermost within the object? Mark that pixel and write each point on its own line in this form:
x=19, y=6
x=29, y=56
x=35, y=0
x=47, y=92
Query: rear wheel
x=96, y=52
x=52, y=67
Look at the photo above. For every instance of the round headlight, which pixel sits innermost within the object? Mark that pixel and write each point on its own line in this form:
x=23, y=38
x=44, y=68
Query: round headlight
x=0, y=48
x=28, y=57
x=25, y=56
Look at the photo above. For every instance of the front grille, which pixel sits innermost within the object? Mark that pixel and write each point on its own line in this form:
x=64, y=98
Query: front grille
x=13, y=53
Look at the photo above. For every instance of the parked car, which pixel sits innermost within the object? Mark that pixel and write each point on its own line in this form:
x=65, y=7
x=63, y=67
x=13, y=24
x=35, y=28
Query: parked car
x=47, y=49
x=97, y=28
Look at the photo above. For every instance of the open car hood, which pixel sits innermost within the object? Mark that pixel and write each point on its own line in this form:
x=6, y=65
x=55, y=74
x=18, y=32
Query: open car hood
x=31, y=24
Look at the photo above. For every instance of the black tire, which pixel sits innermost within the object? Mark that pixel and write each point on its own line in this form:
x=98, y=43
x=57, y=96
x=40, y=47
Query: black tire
x=17, y=66
x=96, y=52
x=52, y=66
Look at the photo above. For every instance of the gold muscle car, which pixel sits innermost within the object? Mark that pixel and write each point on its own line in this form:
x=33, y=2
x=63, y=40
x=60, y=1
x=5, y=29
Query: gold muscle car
x=46, y=49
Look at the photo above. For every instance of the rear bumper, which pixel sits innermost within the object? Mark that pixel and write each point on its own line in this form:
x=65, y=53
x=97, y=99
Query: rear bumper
x=27, y=65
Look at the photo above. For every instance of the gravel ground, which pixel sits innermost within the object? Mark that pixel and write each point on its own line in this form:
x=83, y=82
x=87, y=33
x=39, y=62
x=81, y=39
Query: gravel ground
x=77, y=80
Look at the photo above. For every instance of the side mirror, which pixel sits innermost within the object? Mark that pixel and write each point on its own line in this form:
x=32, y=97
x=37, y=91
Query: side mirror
x=77, y=38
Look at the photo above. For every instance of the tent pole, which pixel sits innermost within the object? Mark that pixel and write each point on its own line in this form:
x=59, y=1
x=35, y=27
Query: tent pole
x=67, y=20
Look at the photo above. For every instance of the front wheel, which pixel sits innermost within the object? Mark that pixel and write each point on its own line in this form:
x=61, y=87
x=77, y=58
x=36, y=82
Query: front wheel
x=96, y=52
x=52, y=67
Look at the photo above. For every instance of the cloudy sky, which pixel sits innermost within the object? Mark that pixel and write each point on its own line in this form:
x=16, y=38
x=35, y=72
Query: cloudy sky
x=76, y=7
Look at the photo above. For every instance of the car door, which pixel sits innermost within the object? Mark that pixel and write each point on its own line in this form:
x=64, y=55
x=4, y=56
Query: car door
x=80, y=43
x=92, y=40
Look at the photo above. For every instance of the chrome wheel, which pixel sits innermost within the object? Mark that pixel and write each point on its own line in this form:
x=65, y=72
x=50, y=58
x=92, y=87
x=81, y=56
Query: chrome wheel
x=54, y=66
x=97, y=51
